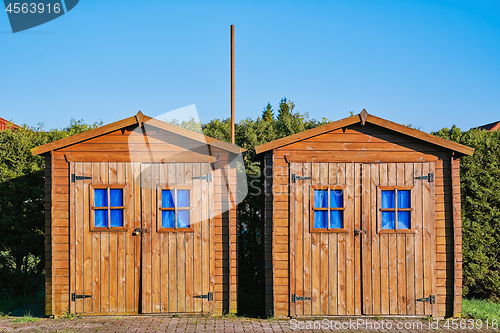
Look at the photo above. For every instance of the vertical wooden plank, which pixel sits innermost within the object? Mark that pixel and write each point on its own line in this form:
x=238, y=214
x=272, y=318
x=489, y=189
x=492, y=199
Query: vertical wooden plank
x=401, y=251
x=206, y=267
x=74, y=239
x=129, y=239
x=384, y=255
x=315, y=253
x=349, y=240
x=332, y=254
x=298, y=209
x=432, y=229
x=292, y=239
x=410, y=251
x=87, y=240
x=172, y=252
x=103, y=175
x=197, y=241
x=323, y=255
x=375, y=246
x=96, y=254
x=427, y=215
x=155, y=242
x=188, y=180
x=366, y=246
x=121, y=246
x=113, y=253
x=308, y=267
x=357, y=239
x=146, y=278
x=419, y=256
x=163, y=244
x=341, y=248
x=181, y=253
x=137, y=170
x=393, y=250
x=211, y=237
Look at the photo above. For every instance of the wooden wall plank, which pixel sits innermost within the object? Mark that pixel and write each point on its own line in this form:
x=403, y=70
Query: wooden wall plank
x=375, y=240
x=342, y=175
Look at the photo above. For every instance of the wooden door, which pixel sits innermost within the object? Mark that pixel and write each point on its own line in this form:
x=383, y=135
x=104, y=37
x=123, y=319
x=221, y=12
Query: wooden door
x=177, y=265
x=120, y=270
x=360, y=268
x=398, y=266
x=104, y=263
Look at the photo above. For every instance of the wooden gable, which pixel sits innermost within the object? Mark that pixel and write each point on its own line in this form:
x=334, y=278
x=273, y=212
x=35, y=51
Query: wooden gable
x=365, y=133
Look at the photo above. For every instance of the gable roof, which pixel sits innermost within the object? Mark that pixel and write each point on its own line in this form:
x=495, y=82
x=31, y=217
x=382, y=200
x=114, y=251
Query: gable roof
x=138, y=119
x=4, y=124
x=363, y=118
x=490, y=127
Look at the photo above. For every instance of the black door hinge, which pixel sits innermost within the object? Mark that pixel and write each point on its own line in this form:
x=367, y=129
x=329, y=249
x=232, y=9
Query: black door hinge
x=429, y=177
x=75, y=177
x=295, y=178
x=299, y=298
x=431, y=299
x=74, y=296
x=208, y=177
x=209, y=296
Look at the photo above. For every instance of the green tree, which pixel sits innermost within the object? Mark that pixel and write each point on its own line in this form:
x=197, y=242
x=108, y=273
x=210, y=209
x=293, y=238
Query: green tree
x=267, y=114
x=480, y=196
x=22, y=198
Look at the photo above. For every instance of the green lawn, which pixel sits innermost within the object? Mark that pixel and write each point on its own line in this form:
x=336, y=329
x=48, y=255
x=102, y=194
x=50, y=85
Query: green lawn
x=473, y=308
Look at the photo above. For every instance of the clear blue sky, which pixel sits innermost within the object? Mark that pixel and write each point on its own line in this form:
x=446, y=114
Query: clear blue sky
x=431, y=64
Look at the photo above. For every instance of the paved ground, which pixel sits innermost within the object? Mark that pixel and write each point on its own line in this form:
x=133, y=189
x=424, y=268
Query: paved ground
x=224, y=324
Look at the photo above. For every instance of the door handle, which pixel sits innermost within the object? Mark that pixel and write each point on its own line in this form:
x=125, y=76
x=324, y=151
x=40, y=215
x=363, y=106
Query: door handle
x=139, y=230
x=358, y=232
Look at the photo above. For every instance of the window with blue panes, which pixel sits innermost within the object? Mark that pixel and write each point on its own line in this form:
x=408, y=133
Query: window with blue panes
x=107, y=206
x=395, y=207
x=327, y=208
x=175, y=209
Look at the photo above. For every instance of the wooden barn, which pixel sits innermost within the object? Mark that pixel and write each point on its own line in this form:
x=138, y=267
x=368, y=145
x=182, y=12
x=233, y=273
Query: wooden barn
x=140, y=218
x=362, y=217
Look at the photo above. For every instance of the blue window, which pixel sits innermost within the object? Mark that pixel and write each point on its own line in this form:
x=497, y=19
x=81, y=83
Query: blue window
x=175, y=209
x=107, y=207
x=395, y=209
x=328, y=208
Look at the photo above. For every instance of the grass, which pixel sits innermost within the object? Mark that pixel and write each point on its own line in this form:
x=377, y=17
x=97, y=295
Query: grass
x=477, y=309
x=27, y=318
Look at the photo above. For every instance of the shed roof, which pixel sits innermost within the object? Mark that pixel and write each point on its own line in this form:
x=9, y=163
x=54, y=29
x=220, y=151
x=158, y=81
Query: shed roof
x=363, y=118
x=138, y=119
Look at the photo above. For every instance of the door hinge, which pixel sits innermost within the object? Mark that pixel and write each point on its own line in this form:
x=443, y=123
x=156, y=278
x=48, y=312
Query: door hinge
x=295, y=178
x=75, y=177
x=208, y=177
x=74, y=296
x=429, y=177
x=299, y=298
x=209, y=296
x=431, y=299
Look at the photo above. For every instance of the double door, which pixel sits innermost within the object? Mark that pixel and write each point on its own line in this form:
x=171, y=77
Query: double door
x=367, y=247
x=148, y=260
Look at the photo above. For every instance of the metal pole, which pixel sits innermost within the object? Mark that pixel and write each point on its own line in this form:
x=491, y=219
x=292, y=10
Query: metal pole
x=232, y=85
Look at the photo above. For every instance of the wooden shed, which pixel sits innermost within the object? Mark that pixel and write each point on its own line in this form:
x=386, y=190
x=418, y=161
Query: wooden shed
x=140, y=218
x=362, y=217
